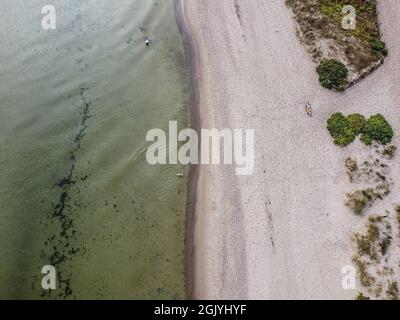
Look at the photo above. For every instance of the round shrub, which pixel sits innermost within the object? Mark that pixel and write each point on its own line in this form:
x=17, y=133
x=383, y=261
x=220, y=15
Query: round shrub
x=378, y=129
x=357, y=122
x=340, y=129
x=332, y=74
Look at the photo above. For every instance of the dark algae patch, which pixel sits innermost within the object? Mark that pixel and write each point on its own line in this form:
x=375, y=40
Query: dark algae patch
x=60, y=246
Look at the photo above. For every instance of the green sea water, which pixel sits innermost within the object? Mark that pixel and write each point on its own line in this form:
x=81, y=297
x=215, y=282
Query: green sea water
x=76, y=191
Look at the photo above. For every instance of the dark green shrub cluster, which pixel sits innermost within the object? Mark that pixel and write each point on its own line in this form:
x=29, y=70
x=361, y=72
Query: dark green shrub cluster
x=357, y=122
x=332, y=74
x=378, y=129
x=345, y=129
x=379, y=47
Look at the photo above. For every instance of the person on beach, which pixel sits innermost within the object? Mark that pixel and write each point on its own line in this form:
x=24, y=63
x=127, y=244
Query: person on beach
x=308, y=109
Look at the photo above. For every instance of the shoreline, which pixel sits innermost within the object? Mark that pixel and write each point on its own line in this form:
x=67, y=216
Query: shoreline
x=194, y=170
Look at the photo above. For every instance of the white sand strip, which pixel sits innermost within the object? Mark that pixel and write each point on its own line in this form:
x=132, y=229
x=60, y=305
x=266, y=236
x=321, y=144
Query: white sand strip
x=284, y=232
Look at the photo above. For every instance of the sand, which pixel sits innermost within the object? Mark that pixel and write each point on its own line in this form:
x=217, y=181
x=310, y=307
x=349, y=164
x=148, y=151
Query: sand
x=283, y=232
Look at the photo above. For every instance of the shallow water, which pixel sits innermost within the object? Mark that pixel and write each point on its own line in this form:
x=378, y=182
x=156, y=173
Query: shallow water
x=76, y=191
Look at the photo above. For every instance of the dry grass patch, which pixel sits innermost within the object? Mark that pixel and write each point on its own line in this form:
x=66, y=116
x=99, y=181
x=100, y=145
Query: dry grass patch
x=373, y=178
x=393, y=290
x=351, y=167
x=390, y=151
x=320, y=29
x=375, y=258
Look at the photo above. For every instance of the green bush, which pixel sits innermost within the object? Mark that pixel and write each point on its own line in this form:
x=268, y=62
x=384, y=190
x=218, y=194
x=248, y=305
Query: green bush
x=379, y=47
x=357, y=122
x=360, y=296
x=332, y=74
x=340, y=129
x=345, y=129
x=366, y=140
x=378, y=129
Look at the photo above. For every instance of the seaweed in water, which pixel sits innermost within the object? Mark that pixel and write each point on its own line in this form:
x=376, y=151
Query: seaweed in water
x=61, y=251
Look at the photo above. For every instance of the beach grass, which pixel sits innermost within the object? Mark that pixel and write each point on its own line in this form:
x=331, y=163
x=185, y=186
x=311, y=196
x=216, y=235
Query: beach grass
x=321, y=29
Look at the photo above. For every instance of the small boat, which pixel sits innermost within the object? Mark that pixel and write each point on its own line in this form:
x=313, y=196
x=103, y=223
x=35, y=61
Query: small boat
x=180, y=175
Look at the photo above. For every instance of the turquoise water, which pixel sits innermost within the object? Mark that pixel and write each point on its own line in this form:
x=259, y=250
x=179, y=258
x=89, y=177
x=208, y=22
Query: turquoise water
x=76, y=191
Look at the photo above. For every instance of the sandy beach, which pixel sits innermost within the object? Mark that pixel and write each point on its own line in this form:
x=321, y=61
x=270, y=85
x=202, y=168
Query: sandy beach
x=283, y=232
